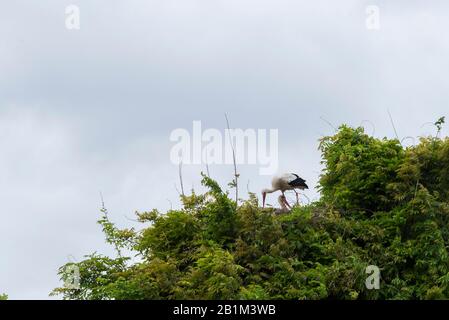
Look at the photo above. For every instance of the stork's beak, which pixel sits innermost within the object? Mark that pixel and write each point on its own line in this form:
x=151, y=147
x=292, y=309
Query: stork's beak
x=264, y=195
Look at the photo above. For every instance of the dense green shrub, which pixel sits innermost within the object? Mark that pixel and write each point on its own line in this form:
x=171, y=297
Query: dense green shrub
x=381, y=205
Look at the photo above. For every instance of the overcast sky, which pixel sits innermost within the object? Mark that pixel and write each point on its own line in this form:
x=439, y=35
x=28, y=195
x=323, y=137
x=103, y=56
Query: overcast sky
x=90, y=110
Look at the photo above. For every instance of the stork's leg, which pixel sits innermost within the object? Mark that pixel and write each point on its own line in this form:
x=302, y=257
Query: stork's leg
x=297, y=197
x=285, y=201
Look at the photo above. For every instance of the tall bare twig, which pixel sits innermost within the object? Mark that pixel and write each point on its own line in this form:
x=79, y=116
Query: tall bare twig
x=102, y=202
x=392, y=123
x=329, y=123
x=180, y=179
x=207, y=165
x=171, y=204
x=372, y=126
x=177, y=190
x=236, y=175
x=439, y=125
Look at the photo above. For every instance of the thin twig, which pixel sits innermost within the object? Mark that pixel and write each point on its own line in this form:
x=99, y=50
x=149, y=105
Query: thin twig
x=308, y=199
x=171, y=204
x=408, y=138
x=236, y=175
x=329, y=123
x=102, y=202
x=130, y=219
x=207, y=165
x=180, y=179
x=70, y=257
x=392, y=123
x=177, y=190
x=207, y=170
x=372, y=125
x=106, y=216
x=426, y=124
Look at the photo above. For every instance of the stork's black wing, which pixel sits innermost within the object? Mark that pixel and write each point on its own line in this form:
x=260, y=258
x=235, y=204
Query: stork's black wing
x=298, y=182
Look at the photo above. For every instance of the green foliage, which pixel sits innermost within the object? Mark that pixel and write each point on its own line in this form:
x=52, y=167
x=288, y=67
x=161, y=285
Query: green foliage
x=218, y=214
x=381, y=205
x=357, y=170
x=3, y=296
x=98, y=274
x=214, y=275
x=120, y=239
x=439, y=124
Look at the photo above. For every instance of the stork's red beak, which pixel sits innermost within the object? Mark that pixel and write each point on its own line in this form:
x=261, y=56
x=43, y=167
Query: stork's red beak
x=264, y=195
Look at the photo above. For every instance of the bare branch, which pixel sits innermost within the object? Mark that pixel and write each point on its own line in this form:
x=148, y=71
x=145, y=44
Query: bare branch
x=392, y=123
x=130, y=219
x=102, y=201
x=372, y=126
x=207, y=165
x=180, y=179
x=236, y=175
x=171, y=204
x=177, y=190
x=71, y=257
x=328, y=122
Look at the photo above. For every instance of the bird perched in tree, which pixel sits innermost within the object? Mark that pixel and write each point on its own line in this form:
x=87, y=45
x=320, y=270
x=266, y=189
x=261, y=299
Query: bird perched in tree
x=284, y=182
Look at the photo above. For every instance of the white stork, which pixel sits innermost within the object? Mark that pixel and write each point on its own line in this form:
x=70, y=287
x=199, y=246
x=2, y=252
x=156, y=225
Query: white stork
x=284, y=182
